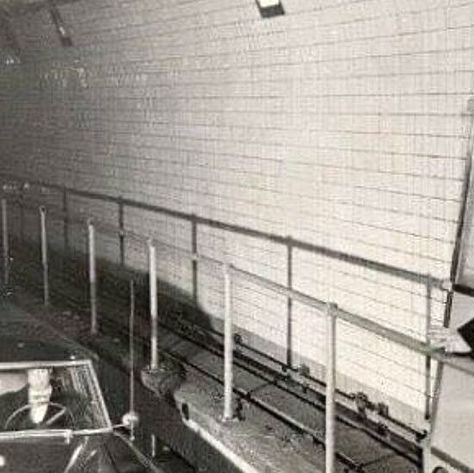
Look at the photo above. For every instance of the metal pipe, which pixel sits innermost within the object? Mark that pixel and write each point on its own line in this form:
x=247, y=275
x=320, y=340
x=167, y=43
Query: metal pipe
x=407, y=341
x=330, y=418
x=44, y=255
x=297, y=244
x=153, y=445
x=131, y=343
x=92, y=276
x=428, y=367
x=351, y=318
x=289, y=305
x=194, y=262
x=66, y=221
x=121, y=222
x=22, y=214
x=154, y=361
x=228, y=346
x=5, y=244
x=465, y=211
x=395, y=336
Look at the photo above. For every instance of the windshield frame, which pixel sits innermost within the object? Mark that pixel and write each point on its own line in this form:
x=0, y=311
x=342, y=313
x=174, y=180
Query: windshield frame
x=61, y=433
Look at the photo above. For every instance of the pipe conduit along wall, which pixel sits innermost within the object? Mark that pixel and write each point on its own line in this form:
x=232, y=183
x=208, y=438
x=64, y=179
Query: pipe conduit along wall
x=341, y=125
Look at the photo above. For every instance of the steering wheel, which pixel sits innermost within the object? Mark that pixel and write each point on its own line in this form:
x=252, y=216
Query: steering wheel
x=62, y=411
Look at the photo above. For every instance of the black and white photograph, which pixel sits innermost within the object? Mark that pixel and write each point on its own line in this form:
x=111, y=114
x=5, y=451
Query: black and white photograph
x=236, y=236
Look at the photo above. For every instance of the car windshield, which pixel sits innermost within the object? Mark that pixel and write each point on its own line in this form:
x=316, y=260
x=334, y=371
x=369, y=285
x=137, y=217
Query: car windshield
x=46, y=397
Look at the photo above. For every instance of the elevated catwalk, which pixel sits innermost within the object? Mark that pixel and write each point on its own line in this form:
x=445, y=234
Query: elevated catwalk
x=263, y=439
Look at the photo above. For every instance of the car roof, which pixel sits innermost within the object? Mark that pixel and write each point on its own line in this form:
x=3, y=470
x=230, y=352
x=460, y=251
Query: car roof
x=24, y=338
x=25, y=350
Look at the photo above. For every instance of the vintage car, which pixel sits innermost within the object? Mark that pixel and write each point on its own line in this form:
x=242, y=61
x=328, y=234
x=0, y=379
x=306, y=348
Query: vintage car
x=53, y=417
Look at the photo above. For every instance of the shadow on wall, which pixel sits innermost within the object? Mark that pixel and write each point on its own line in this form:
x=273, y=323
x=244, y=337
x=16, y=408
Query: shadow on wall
x=181, y=320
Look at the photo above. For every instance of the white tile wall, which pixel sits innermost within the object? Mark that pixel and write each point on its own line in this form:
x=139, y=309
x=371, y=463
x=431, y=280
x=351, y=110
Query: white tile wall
x=341, y=124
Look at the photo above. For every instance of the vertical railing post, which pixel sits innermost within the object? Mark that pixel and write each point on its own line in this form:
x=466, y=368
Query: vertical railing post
x=330, y=440
x=5, y=244
x=92, y=276
x=429, y=294
x=131, y=342
x=289, y=315
x=66, y=222
x=152, y=445
x=228, y=345
x=194, y=263
x=121, y=222
x=44, y=255
x=154, y=362
x=22, y=214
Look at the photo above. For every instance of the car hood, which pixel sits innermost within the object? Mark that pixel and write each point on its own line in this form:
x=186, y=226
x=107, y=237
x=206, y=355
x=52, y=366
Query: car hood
x=16, y=349
x=51, y=455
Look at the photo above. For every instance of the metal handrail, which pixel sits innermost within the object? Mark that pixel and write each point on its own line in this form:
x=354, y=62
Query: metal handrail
x=327, y=308
x=239, y=229
x=310, y=301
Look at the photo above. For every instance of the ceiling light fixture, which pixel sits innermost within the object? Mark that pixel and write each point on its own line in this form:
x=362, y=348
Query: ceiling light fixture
x=270, y=8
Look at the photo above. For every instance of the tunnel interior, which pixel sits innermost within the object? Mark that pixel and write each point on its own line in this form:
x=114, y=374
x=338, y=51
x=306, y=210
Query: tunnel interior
x=281, y=190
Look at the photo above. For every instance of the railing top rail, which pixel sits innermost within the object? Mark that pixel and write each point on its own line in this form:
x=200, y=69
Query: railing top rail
x=111, y=229
x=368, y=325
x=245, y=231
x=349, y=317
